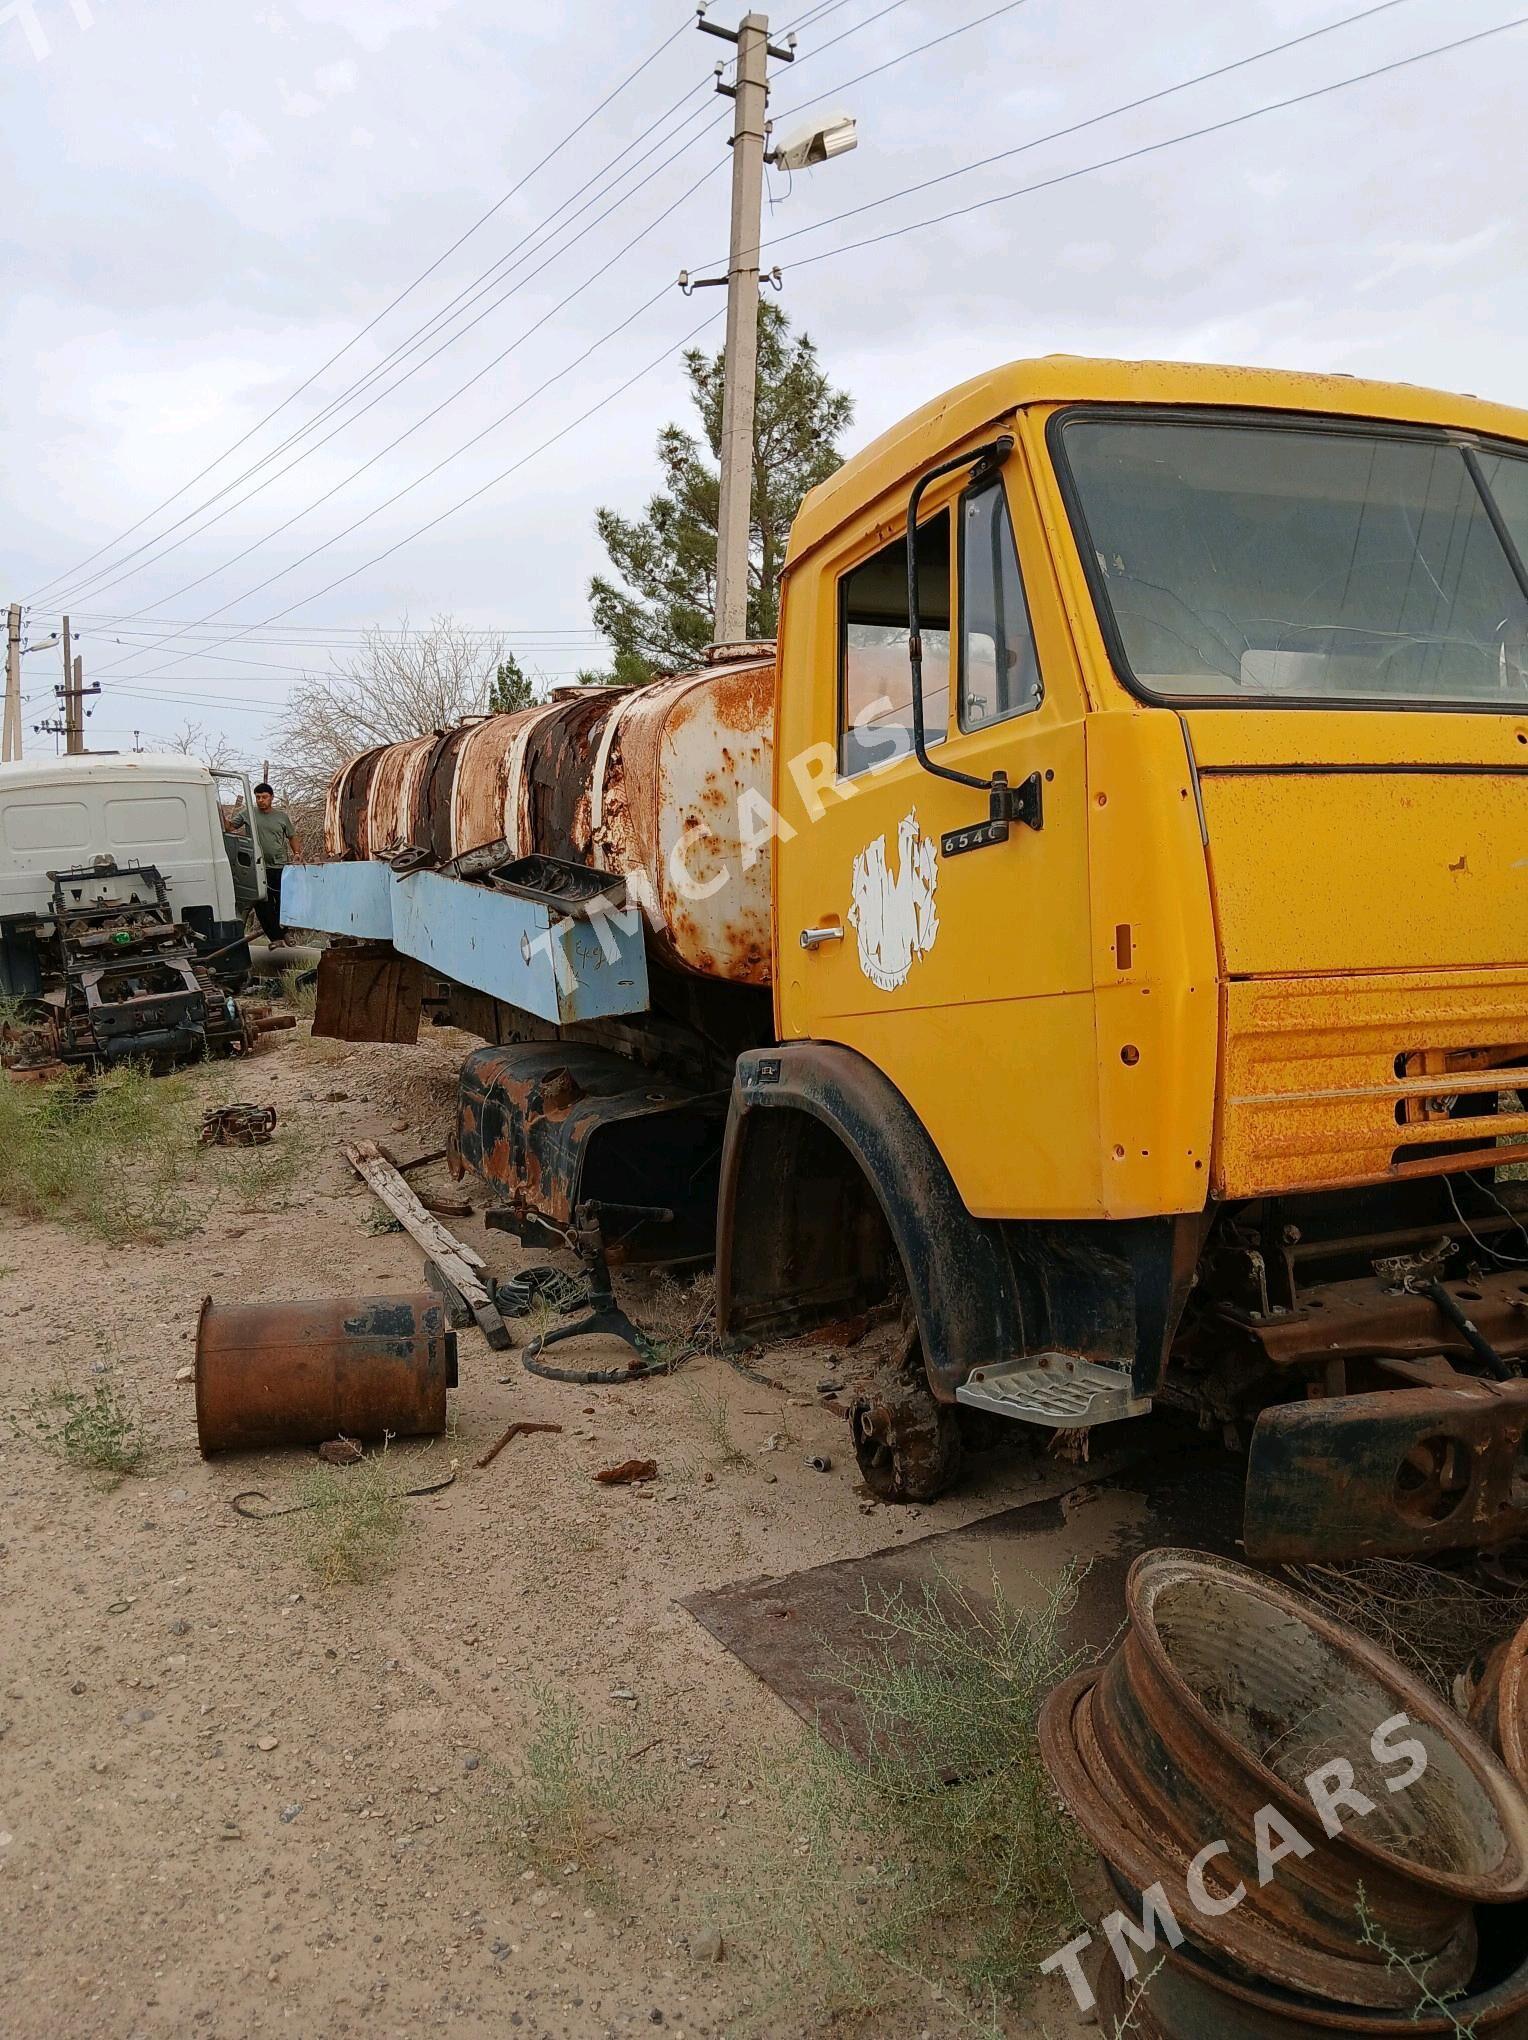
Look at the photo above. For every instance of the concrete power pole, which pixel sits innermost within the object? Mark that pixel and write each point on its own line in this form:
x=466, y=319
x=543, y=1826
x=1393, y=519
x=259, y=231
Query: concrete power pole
x=750, y=95
x=73, y=738
x=10, y=747
x=72, y=694
x=818, y=142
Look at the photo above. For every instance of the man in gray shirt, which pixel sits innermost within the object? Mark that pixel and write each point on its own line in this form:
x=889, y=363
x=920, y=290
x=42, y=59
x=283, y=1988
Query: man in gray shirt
x=279, y=845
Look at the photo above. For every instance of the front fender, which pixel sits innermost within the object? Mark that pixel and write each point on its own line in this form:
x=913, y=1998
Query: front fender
x=824, y=1166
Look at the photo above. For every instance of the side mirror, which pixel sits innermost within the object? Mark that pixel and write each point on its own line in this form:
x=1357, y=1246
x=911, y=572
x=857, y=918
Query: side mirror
x=1007, y=804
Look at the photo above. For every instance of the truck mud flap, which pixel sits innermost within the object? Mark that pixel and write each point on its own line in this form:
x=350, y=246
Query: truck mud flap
x=1394, y=1473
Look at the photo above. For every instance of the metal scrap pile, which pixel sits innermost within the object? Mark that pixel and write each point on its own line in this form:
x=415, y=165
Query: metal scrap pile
x=1334, y=1848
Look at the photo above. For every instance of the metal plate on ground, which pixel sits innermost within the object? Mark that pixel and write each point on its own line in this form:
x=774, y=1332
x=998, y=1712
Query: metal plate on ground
x=793, y=1632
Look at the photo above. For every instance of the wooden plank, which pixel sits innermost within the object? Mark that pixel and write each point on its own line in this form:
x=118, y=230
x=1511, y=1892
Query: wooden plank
x=461, y=1264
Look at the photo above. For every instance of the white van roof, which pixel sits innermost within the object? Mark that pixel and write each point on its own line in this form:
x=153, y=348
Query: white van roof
x=128, y=765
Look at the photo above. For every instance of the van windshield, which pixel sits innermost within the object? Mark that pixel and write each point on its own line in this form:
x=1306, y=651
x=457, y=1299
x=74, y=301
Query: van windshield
x=1244, y=561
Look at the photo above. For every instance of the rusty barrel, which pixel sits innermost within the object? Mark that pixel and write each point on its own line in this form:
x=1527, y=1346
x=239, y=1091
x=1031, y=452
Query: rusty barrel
x=296, y=1373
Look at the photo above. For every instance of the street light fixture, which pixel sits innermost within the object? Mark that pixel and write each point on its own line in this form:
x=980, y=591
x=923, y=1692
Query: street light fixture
x=819, y=141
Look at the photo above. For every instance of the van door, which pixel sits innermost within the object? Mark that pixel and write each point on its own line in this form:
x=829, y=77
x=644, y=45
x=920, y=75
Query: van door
x=964, y=974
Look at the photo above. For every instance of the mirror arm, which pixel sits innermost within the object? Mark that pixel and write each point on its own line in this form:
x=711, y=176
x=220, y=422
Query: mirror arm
x=1007, y=804
x=982, y=460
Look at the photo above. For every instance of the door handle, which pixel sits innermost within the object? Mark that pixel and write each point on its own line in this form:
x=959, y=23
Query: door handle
x=814, y=938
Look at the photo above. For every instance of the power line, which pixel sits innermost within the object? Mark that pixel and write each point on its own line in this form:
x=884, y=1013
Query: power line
x=891, y=63
x=493, y=481
x=467, y=296
x=434, y=412
x=1074, y=127
x=1126, y=156
x=101, y=621
x=482, y=220
x=96, y=585
x=387, y=502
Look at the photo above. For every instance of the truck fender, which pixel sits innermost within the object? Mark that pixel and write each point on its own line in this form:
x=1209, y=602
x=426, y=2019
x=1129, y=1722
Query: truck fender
x=827, y=1174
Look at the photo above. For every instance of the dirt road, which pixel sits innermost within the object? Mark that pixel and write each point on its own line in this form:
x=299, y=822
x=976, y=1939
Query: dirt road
x=234, y=1800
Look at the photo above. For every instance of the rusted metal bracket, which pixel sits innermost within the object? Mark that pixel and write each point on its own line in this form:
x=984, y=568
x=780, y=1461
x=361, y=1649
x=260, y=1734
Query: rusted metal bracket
x=1394, y=1473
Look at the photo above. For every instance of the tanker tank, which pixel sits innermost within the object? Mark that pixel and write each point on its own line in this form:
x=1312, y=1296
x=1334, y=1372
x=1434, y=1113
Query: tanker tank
x=660, y=784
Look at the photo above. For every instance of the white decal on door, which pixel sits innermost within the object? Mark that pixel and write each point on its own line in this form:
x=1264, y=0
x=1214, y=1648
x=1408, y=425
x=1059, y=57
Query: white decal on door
x=894, y=913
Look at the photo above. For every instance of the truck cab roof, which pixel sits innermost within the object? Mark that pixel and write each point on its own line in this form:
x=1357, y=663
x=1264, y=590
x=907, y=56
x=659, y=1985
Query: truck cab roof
x=929, y=433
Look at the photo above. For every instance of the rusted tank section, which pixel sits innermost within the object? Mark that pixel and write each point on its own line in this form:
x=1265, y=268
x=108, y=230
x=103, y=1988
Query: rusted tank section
x=347, y=829
x=369, y=1367
x=668, y=785
x=1228, y=1696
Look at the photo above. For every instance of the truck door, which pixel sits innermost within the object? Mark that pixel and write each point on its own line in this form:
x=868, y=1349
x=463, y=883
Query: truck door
x=242, y=848
x=964, y=974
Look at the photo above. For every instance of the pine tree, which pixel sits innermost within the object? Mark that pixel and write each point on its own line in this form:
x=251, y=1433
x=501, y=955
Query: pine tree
x=510, y=687
x=658, y=617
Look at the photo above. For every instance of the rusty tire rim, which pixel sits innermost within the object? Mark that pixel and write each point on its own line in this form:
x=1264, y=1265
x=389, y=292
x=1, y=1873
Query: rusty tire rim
x=1500, y=1707
x=1140, y=1859
x=1474, y=1769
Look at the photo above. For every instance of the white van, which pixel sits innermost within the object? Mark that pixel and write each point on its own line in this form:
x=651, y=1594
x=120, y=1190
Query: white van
x=143, y=808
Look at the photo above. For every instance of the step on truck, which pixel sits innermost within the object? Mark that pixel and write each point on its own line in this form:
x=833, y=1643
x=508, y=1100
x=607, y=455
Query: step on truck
x=1097, y=932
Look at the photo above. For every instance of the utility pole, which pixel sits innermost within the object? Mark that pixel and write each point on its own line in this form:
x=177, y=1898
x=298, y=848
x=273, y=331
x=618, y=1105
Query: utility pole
x=72, y=739
x=10, y=747
x=829, y=137
x=72, y=695
x=750, y=96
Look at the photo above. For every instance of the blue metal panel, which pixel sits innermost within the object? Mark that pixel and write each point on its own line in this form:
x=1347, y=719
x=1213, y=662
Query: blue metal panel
x=518, y=951
x=342, y=899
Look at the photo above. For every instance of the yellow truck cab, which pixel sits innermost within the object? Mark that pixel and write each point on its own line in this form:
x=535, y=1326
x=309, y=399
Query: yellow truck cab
x=1148, y=935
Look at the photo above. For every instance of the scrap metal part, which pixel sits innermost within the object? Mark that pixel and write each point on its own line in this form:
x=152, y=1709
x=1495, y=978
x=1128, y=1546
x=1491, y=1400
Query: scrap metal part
x=132, y=983
x=550, y=1126
x=237, y=1126
x=1401, y=1471
x=1226, y=1695
x=367, y=992
x=298, y=1373
x=1180, y=1994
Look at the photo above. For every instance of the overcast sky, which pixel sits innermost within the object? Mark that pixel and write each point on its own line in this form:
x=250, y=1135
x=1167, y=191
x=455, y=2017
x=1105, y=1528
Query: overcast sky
x=203, y=205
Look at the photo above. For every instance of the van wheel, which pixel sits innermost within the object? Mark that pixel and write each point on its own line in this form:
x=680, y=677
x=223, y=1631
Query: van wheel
x=907, y=1443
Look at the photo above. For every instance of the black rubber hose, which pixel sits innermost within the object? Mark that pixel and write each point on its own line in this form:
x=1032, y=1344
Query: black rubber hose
x=1472, y=1335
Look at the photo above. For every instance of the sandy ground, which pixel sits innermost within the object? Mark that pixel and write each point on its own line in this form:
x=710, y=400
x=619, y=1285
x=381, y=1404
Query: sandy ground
x=233, y=1801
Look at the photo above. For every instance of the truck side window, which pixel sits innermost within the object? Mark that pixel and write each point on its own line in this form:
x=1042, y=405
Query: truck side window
x=999, y=673
x=875, y=684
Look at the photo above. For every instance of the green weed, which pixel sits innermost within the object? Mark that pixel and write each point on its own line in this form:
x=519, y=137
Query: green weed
x=271, y=1176
x=566, y=1801
x=722, y=1446
x=101, y=1428
x=111, y=1156
x=351, y=1521
x=942, y=1856
x=299, y=990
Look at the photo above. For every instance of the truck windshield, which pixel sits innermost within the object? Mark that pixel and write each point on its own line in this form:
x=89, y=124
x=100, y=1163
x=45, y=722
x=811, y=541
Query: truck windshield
x=1242, y=561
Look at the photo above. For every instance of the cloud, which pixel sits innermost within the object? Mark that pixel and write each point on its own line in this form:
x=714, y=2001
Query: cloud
x=329, y=81
x=238, y=137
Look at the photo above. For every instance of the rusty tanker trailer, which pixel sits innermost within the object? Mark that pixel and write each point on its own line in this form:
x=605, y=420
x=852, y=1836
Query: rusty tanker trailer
x=654, y=784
